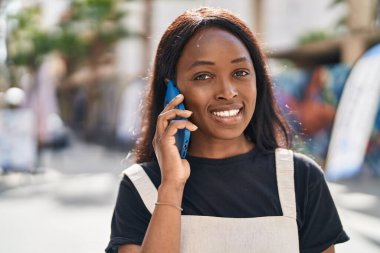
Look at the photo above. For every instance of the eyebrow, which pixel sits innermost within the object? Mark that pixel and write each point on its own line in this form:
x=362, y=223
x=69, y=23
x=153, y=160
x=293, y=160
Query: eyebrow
x=198, y=63
x=240, y=59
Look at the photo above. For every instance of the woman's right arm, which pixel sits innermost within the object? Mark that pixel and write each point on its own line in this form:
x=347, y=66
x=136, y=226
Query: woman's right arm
x=129, y=248
x=164, y=230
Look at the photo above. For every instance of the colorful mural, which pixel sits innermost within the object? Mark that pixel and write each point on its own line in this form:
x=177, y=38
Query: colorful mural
x=309, y=98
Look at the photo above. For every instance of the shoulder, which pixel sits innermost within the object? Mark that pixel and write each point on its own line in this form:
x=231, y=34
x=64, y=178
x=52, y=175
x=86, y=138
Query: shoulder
x=151, y=169
x=139, y=181
x=306, y=162
x=307, y=170
x=317, y=218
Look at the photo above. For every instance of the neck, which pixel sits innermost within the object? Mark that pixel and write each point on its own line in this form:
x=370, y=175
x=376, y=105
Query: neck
x=219, y=148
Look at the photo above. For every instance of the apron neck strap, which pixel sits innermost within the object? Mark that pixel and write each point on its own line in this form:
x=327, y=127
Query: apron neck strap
x=143, y=185
x=285, y=182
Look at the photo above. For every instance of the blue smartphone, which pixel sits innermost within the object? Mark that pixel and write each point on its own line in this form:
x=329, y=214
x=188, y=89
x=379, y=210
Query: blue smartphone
x=182, y=137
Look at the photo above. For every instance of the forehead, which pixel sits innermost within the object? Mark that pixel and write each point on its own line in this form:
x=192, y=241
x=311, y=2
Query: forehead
x=213, y=41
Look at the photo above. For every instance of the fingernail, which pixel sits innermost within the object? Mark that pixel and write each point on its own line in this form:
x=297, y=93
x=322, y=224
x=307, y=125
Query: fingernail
x=178, y=96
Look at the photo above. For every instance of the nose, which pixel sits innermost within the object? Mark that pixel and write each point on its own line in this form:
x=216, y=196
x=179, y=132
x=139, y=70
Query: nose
x=226, y=90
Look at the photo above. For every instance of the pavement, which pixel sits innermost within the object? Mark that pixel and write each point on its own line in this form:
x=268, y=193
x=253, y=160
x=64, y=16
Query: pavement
x=358, y=203
x=68, y=207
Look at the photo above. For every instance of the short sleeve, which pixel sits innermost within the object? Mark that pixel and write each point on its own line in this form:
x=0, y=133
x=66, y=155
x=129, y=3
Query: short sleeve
x=318, y=219
x=130, y=218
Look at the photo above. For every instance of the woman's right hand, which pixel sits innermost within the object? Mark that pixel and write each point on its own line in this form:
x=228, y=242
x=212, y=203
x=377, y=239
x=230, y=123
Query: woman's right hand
x=174, y=170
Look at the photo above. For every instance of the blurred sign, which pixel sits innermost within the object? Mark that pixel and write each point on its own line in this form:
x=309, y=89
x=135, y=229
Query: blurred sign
x=18, y=142
x=355, y=117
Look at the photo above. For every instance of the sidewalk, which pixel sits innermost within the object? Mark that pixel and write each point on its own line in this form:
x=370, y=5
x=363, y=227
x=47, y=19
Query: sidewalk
x=69, y=207
x=358, y=203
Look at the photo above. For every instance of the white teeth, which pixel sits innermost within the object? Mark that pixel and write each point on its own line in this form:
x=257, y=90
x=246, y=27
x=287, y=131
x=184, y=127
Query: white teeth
x=230, y=113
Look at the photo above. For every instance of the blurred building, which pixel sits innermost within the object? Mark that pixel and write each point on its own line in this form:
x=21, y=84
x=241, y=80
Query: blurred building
x=311, y=45
x=278, y=24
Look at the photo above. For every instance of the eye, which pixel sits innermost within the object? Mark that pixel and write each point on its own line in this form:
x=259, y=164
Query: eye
x=202, y=76
x=241, y=73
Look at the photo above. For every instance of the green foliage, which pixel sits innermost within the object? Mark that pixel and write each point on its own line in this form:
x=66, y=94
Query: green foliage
x=25, y=38
x=313, y=36
x=102, y=17
x=336, y=2
x=87, y=29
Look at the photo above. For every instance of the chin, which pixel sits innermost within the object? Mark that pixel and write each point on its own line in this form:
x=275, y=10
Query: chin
x=226, y=134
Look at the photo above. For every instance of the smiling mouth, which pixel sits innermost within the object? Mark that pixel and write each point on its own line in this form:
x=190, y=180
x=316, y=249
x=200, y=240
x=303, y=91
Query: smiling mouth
x=226, y=113
x=228, y=116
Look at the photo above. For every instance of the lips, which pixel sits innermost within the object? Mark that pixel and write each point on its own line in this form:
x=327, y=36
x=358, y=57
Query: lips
x=223, y=108
x=227, y=114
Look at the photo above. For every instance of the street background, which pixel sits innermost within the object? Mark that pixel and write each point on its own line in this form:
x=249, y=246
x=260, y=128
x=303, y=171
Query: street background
x=72, y=73
x=68, y=208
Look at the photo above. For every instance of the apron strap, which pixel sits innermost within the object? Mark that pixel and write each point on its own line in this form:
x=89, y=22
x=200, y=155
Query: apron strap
x=143, y=185
x=285, y=182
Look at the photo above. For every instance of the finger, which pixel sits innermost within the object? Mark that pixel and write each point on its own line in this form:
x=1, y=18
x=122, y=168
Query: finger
x=165, y=117
x=175, y=125
x=174, y=102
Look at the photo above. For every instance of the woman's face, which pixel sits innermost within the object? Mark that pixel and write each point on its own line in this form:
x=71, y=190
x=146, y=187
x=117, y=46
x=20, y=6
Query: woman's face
x=215, y=74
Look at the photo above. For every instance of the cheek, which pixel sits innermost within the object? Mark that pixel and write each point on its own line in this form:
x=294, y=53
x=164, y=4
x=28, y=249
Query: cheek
x=250, y=96
x=198, y=115
x=195, y=100
x=254, y=96
x=248, y=92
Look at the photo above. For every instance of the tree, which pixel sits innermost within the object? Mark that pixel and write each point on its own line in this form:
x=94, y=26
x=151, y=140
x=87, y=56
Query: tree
x=86, y=31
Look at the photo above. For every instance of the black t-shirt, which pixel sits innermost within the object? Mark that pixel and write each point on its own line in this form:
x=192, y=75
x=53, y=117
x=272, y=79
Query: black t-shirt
x=241, y=186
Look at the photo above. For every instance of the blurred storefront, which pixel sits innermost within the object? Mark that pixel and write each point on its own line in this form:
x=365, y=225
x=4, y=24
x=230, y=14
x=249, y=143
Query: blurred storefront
x=312, y=89
x=86, y=82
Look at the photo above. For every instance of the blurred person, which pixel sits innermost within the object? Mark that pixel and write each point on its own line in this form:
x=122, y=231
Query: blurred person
x=128, y=124
x=18, y=142
x=239, y=189
x=42, y=98
x=95, y=100
x=79, y=110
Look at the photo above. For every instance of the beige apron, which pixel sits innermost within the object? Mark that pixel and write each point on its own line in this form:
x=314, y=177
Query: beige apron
x=206, y=234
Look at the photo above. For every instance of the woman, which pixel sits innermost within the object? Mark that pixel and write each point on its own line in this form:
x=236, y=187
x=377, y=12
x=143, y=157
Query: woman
x=236, y=191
